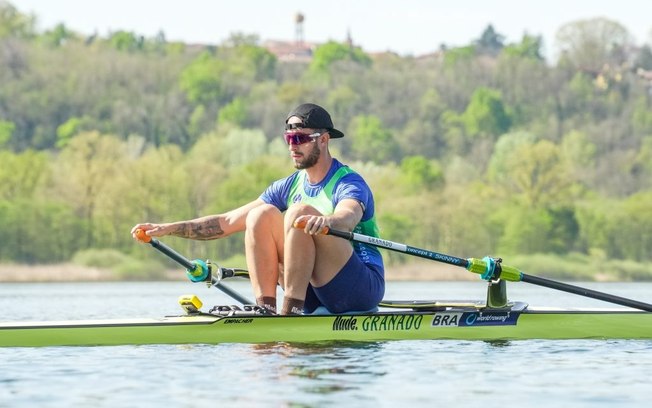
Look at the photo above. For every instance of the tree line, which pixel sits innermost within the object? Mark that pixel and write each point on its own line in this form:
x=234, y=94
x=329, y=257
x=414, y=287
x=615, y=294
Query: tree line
x=474, y=150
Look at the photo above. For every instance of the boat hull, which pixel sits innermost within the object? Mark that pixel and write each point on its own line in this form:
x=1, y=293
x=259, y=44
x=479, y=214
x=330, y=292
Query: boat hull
x=461, y=324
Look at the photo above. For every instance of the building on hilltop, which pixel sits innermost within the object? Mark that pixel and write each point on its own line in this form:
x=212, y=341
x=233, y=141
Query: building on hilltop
x=290, y=50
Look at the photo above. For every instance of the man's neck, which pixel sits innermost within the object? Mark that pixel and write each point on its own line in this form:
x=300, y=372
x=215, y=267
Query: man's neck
x=317, y=172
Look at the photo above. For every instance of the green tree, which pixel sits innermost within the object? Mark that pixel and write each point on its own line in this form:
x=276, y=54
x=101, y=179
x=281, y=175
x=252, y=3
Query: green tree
x=579, y=154
x=344, y=102
x=157, y=186
x=504, y=149
x=201, y=80
x=82, y=172
x=371, y=140
x=22, y=223
x=460, y=219
x=529, y=230
x=630, y=229
x=70, y=128
x=234, y=113
x=527, y=85
x=537, y=173
x=617, y=229
x=258, y=63
x=418, y=172
x=590, y=44
x=206, y=166
x=126, y=41
x=15, y=24
x=459, y=55
x=486, y=114
x=490, y=42
x=6, y=130
x=21, y=174
x=529, y=48
x=331, y=52
x=641, y=117
x=423, y=134
x=242, y=146
x=244, y=66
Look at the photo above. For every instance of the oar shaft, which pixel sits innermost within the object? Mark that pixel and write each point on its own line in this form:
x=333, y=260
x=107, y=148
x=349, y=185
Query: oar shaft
x=594, y=294
x=142, y=236
x=174, y=255
x=395, y=246
x=485, y=268
x=197, y=270
x=235, y=295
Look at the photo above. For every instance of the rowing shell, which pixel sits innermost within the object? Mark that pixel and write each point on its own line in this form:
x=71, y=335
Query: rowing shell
x=418, y=321
x=493, y=319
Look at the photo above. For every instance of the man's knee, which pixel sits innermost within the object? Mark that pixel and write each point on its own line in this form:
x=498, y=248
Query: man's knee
x=299, y=209
x=262, y=215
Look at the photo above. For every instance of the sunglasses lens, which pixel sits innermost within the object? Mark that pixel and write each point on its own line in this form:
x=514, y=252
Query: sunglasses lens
x=296, y=138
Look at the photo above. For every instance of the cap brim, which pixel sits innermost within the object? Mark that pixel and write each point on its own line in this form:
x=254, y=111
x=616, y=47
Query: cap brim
x=335, y=134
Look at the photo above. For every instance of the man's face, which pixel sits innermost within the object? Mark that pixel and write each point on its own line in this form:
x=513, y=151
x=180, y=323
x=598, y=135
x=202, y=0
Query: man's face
x=303, y=159
x=304, y=150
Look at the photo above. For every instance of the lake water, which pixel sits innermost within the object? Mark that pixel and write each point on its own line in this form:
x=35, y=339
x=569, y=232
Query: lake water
x=531, y=373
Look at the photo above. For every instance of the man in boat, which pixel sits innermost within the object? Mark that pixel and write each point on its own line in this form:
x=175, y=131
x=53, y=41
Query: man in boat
x=312, y=268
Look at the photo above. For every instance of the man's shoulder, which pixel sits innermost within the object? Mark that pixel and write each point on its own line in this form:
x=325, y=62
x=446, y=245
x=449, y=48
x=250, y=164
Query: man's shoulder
x=349, y=175
x=344, y=170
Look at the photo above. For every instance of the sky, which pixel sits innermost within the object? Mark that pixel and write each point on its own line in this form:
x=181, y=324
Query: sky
x=407, y=27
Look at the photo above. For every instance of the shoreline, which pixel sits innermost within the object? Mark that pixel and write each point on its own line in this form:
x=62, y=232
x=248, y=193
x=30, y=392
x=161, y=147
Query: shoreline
x=67, y=272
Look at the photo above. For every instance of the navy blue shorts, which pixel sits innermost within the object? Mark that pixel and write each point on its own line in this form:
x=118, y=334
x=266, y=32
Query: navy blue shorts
x=356, y=287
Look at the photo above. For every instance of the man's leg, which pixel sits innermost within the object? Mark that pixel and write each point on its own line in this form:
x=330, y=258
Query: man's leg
x=264, y=252
x=308, y=258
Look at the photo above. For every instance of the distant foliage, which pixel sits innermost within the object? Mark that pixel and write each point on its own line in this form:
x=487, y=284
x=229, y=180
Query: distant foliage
x=372, y=141
x=529, y=47
x=202, y=80
x=589, y=45
x=419, y=172
x=6, y=129
x=485, y=148
x=15, y=24
x=327, y=54
x=486, y=114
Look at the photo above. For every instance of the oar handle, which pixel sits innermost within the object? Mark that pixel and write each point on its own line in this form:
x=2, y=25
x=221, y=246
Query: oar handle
x=302, y=224
x=196, y=270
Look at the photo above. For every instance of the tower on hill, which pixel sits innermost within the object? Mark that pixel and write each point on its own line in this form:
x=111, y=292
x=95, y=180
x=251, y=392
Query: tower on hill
x=298, y=28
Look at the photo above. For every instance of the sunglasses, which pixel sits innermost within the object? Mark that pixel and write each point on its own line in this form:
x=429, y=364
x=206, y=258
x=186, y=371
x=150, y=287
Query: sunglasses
x=298, y=138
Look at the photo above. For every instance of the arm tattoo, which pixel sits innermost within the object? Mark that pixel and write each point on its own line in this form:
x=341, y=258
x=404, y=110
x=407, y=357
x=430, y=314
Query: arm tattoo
x=200, y=230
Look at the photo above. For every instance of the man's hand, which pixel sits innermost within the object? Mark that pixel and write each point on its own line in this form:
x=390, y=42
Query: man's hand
x=152, y=230
x=313, y=224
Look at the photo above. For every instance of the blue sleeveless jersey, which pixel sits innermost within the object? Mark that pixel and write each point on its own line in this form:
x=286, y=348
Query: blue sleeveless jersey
x=340, y=183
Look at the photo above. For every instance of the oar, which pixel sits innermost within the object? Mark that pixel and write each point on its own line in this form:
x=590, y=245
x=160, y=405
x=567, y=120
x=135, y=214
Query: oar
x=488, y=268
x=196, y=270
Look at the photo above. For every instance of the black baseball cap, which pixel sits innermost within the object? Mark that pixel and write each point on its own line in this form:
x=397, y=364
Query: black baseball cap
x=315, y=117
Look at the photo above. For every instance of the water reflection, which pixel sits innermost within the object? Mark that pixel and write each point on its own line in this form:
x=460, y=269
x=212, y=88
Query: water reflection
x=498, y=343
x=314, y=347
x=326, y=368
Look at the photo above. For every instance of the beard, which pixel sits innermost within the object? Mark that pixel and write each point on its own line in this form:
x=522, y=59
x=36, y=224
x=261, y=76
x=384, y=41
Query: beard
x=310, y=160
